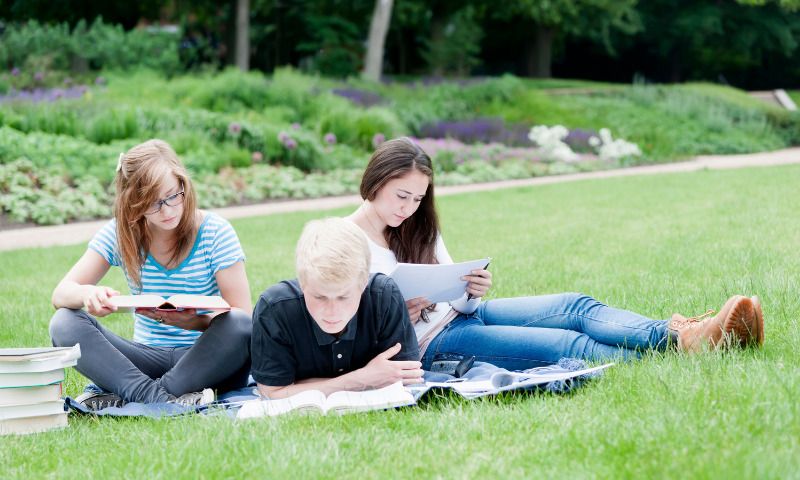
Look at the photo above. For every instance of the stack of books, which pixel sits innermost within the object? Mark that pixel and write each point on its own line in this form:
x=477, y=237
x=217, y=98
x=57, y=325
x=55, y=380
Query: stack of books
x=30, y=388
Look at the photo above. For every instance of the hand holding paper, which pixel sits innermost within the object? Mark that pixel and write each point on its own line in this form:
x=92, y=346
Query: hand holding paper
x=435, y=282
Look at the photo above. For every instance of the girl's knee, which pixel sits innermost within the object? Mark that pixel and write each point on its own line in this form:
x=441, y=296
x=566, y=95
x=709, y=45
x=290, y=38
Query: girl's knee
x=237, y=324
x=63, y=325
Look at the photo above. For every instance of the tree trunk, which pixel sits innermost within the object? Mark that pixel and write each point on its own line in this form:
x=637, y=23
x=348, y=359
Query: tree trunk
x=243, y=35
x=373, y=61
x=675, y=66
x=539, y=53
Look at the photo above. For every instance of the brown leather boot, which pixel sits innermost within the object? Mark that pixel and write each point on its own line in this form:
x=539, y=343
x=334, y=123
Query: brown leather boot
x=735, y=324
x=758, y=336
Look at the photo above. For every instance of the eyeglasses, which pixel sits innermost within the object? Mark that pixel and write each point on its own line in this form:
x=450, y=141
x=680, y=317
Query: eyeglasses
x=171, y=201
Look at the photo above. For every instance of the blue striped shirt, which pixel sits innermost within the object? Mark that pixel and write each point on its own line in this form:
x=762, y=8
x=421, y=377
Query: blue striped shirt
x=216, y=247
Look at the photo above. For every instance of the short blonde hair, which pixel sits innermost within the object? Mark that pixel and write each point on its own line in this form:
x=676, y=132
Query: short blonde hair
x=332, y=250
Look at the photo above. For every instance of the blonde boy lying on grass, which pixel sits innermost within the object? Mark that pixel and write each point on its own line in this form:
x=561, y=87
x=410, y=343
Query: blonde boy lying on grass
x=335, y=327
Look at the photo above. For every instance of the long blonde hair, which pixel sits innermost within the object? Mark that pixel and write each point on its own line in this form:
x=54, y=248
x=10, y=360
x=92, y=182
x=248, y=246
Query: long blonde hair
x=140, y=174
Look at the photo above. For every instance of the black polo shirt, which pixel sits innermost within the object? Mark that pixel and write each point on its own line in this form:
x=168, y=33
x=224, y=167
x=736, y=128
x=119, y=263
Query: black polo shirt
x=288, y=345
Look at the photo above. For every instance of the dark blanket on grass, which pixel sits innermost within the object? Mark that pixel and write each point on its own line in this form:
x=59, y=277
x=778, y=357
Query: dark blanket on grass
x=229, y=402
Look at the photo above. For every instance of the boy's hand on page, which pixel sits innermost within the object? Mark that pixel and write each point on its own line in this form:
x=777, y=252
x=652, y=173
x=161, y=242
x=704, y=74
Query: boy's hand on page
x=96, y=300
x=381, y=371
x=415, y=307
x=479, y=282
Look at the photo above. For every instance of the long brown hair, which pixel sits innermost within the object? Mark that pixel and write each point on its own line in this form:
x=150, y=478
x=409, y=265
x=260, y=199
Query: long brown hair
x=414, y=240
x=140, y=174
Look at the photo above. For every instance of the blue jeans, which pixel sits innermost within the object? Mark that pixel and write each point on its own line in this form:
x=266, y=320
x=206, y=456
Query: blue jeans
x=526, y=332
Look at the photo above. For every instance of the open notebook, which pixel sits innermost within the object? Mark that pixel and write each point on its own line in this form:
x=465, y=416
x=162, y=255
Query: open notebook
x=314, y=401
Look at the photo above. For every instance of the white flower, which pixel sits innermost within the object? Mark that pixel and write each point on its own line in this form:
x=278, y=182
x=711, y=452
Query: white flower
x=612, y=150
x=550, y=141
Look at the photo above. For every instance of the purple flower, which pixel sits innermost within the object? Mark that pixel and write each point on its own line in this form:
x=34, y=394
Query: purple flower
x=478, y=130
x=38, y=76
x=100, y=81
x=378, y=139
x=330, y=138
x=15, y=72
x=296, y=126
x=234, y=128
x=359, y=97
x=290, y=144
x=283, y=136
x=68, y=81
x=257, y=157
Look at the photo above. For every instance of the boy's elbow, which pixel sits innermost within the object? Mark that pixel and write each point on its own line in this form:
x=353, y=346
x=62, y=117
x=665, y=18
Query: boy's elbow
x=270, y=392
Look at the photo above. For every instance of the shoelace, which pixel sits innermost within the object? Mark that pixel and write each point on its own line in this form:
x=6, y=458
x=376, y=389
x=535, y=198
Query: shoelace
x=189, y=400
x=698, y=318
x=101, y=404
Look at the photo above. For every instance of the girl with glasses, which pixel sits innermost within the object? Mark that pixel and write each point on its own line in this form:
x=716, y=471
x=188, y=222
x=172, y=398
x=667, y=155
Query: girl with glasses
x=400, y=220
x=165, y=246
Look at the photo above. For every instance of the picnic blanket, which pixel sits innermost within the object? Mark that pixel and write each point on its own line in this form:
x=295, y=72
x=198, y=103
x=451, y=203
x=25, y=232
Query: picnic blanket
x=227, y=403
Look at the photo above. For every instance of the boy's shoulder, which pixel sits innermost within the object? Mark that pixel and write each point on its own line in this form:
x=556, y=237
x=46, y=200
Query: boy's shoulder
x=285, y=290
x=381, y=289
x=379, y=283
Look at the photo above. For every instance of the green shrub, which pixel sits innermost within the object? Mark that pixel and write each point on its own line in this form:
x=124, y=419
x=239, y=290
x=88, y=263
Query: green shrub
x=64, y=155
x=230, y=91
x=357, y=127
x=29, y=193
x=113, y=124
x=33, y=47
x=58, y=118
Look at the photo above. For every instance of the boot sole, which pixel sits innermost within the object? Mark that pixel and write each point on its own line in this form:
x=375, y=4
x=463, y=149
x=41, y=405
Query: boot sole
x=739, y=326
x=759, y=326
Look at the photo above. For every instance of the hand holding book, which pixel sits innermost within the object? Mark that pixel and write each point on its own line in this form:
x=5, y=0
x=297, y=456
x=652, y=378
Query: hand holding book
x=186, y=318
x=97, y=300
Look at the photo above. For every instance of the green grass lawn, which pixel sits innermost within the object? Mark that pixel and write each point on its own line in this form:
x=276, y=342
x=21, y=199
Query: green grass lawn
x=656, y=245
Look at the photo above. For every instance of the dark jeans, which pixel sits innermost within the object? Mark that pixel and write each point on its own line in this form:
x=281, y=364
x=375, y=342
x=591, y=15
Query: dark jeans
x=219, y=359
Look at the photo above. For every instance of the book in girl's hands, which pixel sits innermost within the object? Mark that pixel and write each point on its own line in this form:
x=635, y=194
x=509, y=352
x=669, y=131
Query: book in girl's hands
x=440, y=282
x=314, y=401
x=126, y=303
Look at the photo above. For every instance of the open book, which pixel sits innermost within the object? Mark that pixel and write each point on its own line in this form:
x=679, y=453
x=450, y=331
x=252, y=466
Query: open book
x=395, y=395
x=126, y=303
x=436, y=282
x=504, y=381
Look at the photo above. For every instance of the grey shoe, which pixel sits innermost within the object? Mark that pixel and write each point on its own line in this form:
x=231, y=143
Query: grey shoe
x=195, y=399
x=99, y=400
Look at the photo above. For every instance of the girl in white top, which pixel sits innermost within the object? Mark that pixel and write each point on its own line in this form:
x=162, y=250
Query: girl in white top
x=399, y=217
